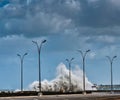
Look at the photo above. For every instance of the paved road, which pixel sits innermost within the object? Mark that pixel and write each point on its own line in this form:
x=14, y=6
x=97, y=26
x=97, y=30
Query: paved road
x=67, y=97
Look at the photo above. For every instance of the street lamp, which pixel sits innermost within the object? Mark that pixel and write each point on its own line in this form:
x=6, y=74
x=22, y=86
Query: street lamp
x=111, y=62
x=21, y=60
x=83, y=59
x=69, y=62
x=39, y=51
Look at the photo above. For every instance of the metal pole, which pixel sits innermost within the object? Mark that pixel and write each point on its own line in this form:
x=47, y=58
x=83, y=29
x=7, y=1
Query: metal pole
x=111, y=78
x=39, y=51
x=39, y=71
x=111, y=70
x=83, y=59
x=21, y=74
x=84, y=74
x=21, y=60
x=69, y=76
x=69, y=63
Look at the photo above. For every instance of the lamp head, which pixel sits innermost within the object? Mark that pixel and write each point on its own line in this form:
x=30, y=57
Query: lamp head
x=72, y=59
x=44, y=41
x=25, y=53
x=67, y=60
x=88, y=50
x=18, y=54
x=34, y=42
x=114, y=56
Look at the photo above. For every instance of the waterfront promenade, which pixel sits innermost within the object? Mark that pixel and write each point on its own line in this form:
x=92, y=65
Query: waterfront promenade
x=67, y=97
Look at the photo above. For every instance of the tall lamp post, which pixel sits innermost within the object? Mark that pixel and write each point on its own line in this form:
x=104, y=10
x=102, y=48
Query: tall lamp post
x=69, y=63
x=39, y=51
x=111, y=63
x=21, y=60
x=83, y=60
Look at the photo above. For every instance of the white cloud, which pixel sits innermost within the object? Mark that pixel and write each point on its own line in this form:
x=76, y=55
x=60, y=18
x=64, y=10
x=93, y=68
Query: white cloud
x=13, y=44
x=13, y=11
x=12, y=37
x=92, y=55
x=106, y=39
x=28, y=2
x=93, y=0
x=73, y=4
x=43, y=23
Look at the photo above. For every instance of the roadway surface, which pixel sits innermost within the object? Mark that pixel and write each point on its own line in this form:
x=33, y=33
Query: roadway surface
x=67, y=97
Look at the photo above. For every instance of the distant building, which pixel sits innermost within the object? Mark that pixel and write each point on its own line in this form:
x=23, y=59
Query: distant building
x=108, y=87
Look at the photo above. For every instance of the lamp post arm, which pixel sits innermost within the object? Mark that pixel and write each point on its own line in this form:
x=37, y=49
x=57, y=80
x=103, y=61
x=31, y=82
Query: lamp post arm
x=39, y=47
x=71, y=59
x=109, y=59
x=81, y=53
x=113, y=58
x=19, y=56
x=86, y=53
x=36, y=45
x=23, y=56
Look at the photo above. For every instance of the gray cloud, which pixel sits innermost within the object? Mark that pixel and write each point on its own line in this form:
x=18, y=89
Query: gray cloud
x=44, y=15
x=91, y=21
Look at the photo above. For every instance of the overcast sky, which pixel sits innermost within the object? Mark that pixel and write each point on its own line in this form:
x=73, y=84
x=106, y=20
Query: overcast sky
x=67, y=25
